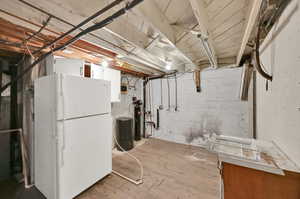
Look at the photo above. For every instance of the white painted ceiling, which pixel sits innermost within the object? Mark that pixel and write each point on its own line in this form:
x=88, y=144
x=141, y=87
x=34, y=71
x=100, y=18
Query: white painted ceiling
x=154, y=33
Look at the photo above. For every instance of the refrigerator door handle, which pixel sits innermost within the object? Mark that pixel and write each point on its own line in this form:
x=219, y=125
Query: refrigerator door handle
x=63, y=121
x=61, y=142
x=62, y=148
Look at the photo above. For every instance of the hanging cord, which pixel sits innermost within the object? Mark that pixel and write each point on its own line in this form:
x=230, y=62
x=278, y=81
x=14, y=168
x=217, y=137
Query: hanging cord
x=169, y=105
x=176, y=103
x=141, y=178
x=40, y=30
x=257, y=53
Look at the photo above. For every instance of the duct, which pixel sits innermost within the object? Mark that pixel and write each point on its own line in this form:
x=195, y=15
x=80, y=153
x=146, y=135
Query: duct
x=111, y=45
x=92, y=28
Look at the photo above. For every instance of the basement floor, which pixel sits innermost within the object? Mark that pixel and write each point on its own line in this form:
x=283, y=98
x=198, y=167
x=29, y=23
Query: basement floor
x=171, y=171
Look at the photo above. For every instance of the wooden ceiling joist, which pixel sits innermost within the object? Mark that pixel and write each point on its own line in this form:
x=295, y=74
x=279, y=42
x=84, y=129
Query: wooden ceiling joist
x=12, y=38
x=251, y=21
x=202, y=18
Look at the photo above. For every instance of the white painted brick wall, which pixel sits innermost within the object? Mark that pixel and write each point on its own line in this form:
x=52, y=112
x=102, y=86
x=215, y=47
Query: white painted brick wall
x=278, y=109
x=217, y=109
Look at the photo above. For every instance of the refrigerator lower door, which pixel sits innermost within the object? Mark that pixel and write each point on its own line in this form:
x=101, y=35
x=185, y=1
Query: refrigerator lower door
x=85, y=153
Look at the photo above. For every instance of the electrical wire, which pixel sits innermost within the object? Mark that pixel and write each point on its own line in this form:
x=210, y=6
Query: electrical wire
x=161, y=94
x=257, y=53
x=152, y=108
x=176, y=103
x=100, y=12
x=169, y=105
x=92, y=28
x=40, y=30
x=141, y=178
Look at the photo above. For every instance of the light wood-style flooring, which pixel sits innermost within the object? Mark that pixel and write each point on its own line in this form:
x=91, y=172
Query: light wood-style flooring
x=171, y=171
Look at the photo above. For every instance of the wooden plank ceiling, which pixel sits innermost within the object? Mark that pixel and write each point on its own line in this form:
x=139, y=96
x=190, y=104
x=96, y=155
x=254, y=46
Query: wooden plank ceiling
x=155, y=33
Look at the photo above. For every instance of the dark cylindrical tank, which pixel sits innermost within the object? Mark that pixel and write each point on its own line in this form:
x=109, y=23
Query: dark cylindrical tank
x=125, y=133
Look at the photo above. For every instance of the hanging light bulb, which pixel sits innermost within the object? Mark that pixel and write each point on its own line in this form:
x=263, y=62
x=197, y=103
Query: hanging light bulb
x=168, y=65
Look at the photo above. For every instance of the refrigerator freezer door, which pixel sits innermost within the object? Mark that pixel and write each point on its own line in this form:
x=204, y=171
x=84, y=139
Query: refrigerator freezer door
x=81, y=97
x=74, y=67
x=85, y=153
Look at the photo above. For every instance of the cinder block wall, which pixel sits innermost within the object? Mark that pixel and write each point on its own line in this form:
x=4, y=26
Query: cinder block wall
x=216, y=109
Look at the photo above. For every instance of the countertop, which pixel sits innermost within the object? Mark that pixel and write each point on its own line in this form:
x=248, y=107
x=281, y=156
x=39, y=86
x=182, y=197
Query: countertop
x=255, y=154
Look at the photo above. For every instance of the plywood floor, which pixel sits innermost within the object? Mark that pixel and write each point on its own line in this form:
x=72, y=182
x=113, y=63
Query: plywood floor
x=171, y=171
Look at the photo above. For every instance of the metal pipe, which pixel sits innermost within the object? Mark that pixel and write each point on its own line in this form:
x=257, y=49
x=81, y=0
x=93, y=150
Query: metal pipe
x=1, y=69
x=161, y=106
x=136, y=57
x=208, y=51
x=97, y=26
x=24, y=153
x=169, y=104
x=176, y=103
x=257, y=55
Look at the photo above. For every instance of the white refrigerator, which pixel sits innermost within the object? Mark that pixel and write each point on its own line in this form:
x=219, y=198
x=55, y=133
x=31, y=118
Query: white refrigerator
x=73, y=134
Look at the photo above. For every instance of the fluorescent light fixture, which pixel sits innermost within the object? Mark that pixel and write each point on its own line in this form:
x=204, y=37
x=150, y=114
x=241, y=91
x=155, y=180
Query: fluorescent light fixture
x=68, y=51
x=105, y=63
x=208, y=51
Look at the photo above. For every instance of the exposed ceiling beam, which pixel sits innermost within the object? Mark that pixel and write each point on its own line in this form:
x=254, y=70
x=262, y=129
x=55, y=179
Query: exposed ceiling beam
x=12, y=37
x=153, y=15
x=251, y=21
x=32, y=18
x=202, y=18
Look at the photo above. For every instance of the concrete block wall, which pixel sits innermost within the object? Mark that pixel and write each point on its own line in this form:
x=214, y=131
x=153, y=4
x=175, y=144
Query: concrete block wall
x=278, y=108
x=216, y=109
